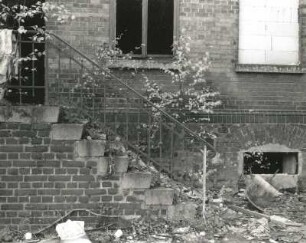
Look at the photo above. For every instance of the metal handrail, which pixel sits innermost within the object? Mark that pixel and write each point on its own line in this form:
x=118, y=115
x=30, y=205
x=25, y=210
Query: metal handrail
x=135, y=92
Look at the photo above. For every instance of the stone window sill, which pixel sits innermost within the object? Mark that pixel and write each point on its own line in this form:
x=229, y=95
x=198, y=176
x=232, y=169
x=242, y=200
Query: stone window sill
x=256, y=68
x=144, y=63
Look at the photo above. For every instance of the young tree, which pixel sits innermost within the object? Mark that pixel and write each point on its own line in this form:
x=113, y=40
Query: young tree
x=194, y=95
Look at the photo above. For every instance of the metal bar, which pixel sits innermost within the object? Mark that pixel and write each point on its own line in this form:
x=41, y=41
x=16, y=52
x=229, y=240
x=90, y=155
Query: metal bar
x=104, y=101
x=33, y=69
x=160, y=143
x=149, y=136
x=204, y=179
x=58, y=76
x=46, y=69
x=19, y=70
x=172, y=149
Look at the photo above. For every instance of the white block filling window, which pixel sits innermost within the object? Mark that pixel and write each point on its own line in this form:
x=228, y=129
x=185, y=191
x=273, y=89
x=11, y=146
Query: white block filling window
x=269, y=32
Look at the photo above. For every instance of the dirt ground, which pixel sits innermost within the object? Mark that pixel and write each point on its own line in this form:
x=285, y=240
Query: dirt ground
x=222, y=224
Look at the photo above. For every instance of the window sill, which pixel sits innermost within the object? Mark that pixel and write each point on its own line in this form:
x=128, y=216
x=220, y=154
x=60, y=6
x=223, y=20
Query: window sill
x=144, y=63
x=257, y=68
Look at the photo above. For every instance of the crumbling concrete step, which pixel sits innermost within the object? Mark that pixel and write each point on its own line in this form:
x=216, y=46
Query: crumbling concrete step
x=136, y=180
x=67, y=131
x=159, y=196
x=29, y=114
x=90, y=148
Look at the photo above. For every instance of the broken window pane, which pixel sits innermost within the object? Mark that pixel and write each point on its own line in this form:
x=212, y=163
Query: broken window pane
x=160, y=26
x=129, y=25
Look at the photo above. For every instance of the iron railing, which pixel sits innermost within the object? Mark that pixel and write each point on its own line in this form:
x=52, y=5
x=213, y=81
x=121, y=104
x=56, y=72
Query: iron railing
x=27, y=81
x=91, y=91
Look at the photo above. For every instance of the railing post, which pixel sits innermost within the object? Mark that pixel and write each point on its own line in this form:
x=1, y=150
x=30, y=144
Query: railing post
x=204, y=179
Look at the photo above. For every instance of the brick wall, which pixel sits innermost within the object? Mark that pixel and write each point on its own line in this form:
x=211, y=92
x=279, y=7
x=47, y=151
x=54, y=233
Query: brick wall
x=234, y=139
x=40, y=180
x=213, y=27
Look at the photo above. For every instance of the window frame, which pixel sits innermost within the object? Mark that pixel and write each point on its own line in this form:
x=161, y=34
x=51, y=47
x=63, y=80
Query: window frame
x=145, y=4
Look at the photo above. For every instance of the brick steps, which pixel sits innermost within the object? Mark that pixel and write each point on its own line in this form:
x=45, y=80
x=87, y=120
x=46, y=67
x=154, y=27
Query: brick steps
x=45, y=169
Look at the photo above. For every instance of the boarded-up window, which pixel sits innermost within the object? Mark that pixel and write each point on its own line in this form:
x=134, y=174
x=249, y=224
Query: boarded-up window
x=269, y=32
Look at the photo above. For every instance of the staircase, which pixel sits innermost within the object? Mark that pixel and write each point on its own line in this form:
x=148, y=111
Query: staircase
x=146, y=129
x=48, y=168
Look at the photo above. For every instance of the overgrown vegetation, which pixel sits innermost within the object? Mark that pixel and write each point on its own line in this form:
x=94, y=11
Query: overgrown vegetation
x=193, y=94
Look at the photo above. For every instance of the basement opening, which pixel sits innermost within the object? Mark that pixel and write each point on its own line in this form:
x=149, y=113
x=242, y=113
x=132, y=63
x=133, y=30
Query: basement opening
x=270, y=163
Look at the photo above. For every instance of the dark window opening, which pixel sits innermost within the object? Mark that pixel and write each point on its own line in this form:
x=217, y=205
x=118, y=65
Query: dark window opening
x=139, y=22
x=27, y=84
x=270, y=163
x=160, y=26
x=129, y=25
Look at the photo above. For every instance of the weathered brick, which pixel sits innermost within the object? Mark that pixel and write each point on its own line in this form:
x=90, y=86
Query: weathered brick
x=60, y=178
x=95, y=192
x=47, y=199
x=73, y=171
x=106, y=184
x=37, y=149
x=84, y=199
x=25, y=185
x=11, y=141
x=118, y=198
x=36, y=141
x=35, y=199
x=59, y=185
x=12, y=171
x=37, y=156
x=72, y=185
x=71, y=199
x=35, y=206
x=26, y=192
x=36, y=171
x=69, y=163
x=62, y=149
x=25, y=156
x=13, y=156
x=83, y=178
x=3, y=156
x=35, y=178
x=12, y=178
x=12, y=184
x=27, y=134
x=41, y=126
x=5, y=163
x=5, y=134
x=78, y=192
x=48, y=192
x=43, y=134
x=24, y=163
x=48, y=163
x=59, y=199
x=6, y=192
x=48, y=171
x=11, y=148
x=12, y=207
x=37, y=185
x=112, y=191
x=106, y=198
